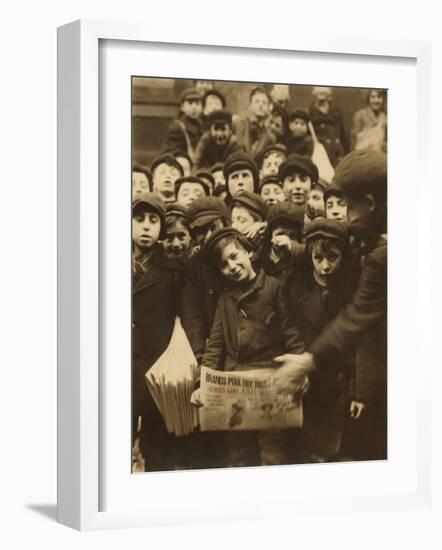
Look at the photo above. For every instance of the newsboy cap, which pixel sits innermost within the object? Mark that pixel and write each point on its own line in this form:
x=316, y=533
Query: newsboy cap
x=240, y=161
x=206, y=210
x=302, y=163
x=287, y=214
x=326, y=228
x=268, y=180
x=189, y=94
x=151, y=201
x=252, y=202
x=217, y=235
x=219, y=117
x=274, y=148
x=299, y=113
x=362, y=171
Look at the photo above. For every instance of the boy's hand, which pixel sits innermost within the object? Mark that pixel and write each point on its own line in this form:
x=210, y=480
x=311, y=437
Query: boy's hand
x=356, y=409
x=255, y=229
x=195, y=398
x=282, y=244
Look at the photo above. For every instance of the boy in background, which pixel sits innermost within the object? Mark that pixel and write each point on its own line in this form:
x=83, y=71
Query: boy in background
x=270, y=189
x=240, y=173
x=178, y=241
x=218, y=142
x=298, y=174
x=299, y=139
x=271, y=159
x=141, y=180
x=335, y=204
x=190, y=188
x=165, y=172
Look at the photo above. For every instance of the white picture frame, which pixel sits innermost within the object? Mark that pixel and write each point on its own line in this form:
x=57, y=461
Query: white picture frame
x=80, y=293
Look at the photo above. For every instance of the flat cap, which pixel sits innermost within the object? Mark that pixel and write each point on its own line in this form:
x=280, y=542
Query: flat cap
x=302, y=163
x=362, y=171
x=299, y=113
x=287, y=214
x=274, y=148
x=206, y=210
x=240, y=161
x=221, y=116
x=151, y=201
x=326, y=228
x=250, y=201
x=217, y=235
x=268, y=180
x=190, y=93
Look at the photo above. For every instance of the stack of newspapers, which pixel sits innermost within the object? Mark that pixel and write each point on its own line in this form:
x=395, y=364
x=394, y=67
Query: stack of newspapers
x=171, y=381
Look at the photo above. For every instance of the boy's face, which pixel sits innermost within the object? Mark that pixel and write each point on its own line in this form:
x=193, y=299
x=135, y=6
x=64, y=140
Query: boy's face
x=189, y=192
x=277, y=125
x=241, y=219
x=140, y=184
x=336, y=208
x=203, y=233
x=192, y=107
x=298, y=127
x=235, y=264
x=220, y=132
x=240, y=180
x=315, y=203
x=213, y=103
x=297, y=187
x=146, y=227
x=271, y=164
x=219, y=178
x=260, y=105
x=187, y=168
x=360, y=213
x=271, y=193
x=326, y=262
x=178, y=240
x=375, y=100
x=164, y=178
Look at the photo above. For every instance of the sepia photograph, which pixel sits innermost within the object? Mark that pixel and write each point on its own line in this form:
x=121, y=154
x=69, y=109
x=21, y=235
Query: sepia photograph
x=259, y=274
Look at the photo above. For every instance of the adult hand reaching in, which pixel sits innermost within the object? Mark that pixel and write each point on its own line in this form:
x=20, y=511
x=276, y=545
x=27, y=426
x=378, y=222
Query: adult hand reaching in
x=292, y=374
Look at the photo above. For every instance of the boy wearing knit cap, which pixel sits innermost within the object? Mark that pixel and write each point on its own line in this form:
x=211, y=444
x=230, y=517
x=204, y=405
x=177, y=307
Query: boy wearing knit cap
x=271, y=159
x=178, y=240
x=270, y=189
x=327, y=290
x=156, y=285
x=297, y=175
x=190, y=188
x=299, y=140
x=185, y=132
x=362, y=176
x=241, y=173
x=218, y=142
x=335, y=204
x=165, y=171
x=252, y=322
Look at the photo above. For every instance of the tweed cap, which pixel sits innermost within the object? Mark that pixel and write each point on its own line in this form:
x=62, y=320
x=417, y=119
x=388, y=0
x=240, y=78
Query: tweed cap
x=250, y=201
x=151, y=201
x=222, y=116
x=274, y=148
x=191, y=179
x=362, y=171
x=287, y=214
x=217, y=235
x=240, y=161
x=190, y=93
x=206, y=210
x=177, y=209
x=302, y=163
x=167, y=159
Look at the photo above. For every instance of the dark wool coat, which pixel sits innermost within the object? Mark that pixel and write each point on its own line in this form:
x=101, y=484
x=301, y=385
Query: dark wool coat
x=301, y=146
x=252, y=327
x=155, y=300
x=326, y=404
x=176, y=135
x=208, y=153
x=252, y=136
x=330, y=131
x=203, y=286
x=363, y=324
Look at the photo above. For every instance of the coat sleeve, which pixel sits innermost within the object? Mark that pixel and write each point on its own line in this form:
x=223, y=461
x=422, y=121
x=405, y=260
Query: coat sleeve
x=192, y=316
x=200, y=152
x=368, y=307
x=293, y=339
x=215, y=352
x=358, y=125
x=175, y=138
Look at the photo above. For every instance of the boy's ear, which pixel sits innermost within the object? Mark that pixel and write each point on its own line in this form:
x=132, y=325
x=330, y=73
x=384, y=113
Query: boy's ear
x=371, y=202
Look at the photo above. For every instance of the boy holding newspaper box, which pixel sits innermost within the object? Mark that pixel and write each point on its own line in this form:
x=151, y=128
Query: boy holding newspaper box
x=252, y=325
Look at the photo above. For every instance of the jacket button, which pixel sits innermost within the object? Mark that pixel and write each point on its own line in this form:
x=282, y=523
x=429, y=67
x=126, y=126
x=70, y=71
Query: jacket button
x=133, y=325
x=211, y=291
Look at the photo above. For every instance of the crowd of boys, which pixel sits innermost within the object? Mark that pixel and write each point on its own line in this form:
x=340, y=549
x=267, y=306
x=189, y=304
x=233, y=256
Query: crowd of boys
x=267, y=265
